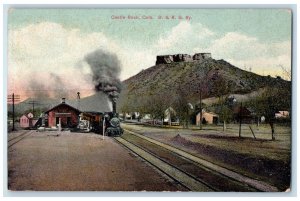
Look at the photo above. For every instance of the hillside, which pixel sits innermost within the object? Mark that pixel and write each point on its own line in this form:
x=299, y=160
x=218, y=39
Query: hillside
x=215, y=77
x=39, y=104
x=98, y=102
x=167, y=79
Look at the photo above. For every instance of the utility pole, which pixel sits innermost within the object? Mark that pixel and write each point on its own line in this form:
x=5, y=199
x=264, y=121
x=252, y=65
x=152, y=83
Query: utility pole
x=240, y=118
x=200, y=94
x=12, y=99
x=13, y=110
x=78, y=106
x=32, y=103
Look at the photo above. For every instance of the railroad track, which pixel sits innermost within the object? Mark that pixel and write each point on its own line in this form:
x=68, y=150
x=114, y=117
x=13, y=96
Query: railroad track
x=186, y=180
x=15, y=140
x=194, y=173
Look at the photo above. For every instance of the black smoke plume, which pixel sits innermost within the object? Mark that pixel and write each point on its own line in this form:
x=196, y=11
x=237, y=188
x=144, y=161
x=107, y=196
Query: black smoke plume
x=106, y=70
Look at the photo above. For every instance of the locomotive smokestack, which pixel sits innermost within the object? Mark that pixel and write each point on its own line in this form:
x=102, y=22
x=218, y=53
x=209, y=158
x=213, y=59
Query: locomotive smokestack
x=114, y=105
x=113, y=96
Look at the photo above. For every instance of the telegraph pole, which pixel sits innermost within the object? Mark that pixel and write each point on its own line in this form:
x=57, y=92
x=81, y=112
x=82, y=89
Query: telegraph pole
x=13, y=110
x=240, y=118
x=200, y=94
x=12, y=99
x=78, y=107
x=32, y=102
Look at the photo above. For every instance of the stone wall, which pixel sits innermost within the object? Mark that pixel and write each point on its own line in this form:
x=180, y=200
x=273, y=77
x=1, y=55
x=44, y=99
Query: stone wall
x=167, y=59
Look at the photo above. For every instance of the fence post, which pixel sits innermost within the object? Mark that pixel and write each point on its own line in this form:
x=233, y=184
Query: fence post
x=252, y=132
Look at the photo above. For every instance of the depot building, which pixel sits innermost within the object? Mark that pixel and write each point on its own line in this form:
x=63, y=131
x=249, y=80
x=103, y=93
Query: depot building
x=62, y=114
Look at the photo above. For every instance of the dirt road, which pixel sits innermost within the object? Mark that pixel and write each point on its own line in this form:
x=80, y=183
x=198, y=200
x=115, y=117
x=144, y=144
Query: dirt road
x=64, y=161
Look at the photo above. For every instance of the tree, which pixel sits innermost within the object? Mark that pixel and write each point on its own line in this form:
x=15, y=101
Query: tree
x=270, y=101
x=221, y=90
x=182, y=106
x=156, y=106
x=225, y=115
x=202, y=90
x=125, y=106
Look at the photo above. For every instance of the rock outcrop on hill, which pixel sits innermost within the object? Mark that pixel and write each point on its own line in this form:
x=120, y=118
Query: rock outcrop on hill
x=167, y=59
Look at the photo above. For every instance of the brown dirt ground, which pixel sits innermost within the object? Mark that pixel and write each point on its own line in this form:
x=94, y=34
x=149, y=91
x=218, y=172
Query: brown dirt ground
x=44, y=161
x=261, y=159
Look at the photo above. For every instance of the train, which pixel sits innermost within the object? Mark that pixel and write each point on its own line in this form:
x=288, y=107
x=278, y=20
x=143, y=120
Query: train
x=107, y=123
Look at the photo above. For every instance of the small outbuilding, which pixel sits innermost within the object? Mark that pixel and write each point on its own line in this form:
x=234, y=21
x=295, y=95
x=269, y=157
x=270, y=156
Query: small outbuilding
x=27, y=120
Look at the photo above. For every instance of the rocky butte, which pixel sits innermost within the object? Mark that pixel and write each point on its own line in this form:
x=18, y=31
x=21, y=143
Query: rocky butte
x=167, y=59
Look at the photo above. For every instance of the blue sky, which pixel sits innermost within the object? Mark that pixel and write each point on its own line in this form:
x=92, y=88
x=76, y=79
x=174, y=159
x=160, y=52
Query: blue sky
x=265, y=24
x=45, y=41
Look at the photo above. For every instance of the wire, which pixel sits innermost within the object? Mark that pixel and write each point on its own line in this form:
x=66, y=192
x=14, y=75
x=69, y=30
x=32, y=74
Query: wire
x=54, y=90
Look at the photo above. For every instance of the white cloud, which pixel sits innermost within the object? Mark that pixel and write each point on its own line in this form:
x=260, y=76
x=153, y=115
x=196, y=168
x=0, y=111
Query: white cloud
x=50, y=46
x=239, y=46
x=134, y=61
x=246, y=51
x=235, y=45
x=265, y=66
x=183, y=38
x=178, y=33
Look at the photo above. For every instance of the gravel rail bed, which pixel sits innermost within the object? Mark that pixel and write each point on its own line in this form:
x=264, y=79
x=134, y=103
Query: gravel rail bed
x=221, y=178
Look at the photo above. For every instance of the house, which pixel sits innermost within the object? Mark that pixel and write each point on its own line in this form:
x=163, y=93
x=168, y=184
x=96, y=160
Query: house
x=246, y=114
x=170, y=117
x=62, y=115
x=27, y=120
x=146, y=118
x=207, y=117
x=282, y=114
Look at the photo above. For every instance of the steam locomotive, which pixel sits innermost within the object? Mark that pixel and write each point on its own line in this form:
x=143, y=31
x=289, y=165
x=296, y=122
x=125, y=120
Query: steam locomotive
x=107, y=123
